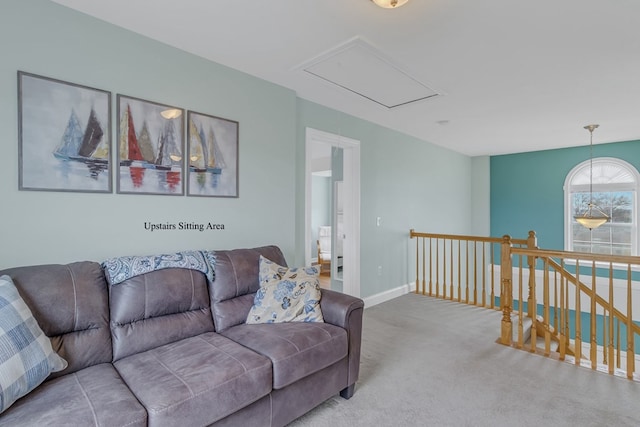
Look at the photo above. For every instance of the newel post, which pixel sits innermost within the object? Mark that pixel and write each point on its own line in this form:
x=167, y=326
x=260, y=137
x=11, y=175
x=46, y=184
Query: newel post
x=532, y=243
x=506, y=292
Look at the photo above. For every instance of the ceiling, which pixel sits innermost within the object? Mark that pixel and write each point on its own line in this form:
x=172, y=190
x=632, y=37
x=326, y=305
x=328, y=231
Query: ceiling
x=508, y=76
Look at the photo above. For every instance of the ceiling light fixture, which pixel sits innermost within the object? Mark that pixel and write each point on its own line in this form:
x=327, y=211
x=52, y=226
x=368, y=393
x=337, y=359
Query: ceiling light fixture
x=593, y=216
x=171, y=113
x=389, y=4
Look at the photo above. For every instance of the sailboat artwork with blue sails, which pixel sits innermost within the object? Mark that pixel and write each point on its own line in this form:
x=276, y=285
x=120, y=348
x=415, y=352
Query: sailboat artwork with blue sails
x=212, y=156
x=86, y=146
x=64, y=132
x=205, y=157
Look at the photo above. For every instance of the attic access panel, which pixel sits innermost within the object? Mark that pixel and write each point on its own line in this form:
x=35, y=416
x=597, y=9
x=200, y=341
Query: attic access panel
x=362, y=69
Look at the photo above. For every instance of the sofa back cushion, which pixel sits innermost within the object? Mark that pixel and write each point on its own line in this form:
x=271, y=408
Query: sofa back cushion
x=70, y=303
x=157, y=308
x=237, y=280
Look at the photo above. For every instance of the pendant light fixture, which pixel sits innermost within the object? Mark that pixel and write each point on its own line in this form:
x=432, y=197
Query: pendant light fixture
x=593, y=217
x=389, y=4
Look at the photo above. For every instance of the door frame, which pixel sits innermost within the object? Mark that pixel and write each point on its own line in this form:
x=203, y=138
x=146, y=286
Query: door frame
x=351, y=187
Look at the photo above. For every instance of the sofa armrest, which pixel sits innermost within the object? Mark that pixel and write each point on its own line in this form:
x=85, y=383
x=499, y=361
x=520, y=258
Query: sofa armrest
x=337, y=307
x=346, y=311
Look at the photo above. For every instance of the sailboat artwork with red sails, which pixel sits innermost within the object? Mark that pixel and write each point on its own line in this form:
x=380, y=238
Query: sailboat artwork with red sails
x=150, y=159
x=130, y=154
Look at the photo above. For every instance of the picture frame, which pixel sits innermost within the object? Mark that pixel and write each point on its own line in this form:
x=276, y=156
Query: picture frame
x=64, y=136
x=150, y=147
x=213, y=156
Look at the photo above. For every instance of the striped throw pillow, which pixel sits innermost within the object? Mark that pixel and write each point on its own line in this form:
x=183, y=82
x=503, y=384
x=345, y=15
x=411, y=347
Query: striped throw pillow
x=26, y=356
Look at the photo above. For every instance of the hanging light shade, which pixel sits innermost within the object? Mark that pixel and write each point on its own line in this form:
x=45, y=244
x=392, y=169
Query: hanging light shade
x=593, y=217
x=389, y=4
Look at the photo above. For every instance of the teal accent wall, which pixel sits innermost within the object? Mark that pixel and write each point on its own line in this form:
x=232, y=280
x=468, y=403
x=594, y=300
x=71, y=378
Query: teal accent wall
x=407, y=182
x=44, y=38
x=527, y=189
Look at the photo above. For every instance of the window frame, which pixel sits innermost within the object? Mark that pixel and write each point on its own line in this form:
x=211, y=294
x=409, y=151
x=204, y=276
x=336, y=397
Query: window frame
x=598, y=187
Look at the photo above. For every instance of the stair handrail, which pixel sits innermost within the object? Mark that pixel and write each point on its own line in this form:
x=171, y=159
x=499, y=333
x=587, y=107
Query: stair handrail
x=595, y=261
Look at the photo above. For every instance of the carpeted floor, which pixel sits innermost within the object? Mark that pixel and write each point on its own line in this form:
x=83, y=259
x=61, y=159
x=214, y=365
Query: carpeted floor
x=428, y=362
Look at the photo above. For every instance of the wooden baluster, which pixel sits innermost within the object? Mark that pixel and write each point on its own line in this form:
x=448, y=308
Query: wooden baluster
x=545, y=302
x=430, y=266
x=451, y=271
x=555, y=300
x=593, y=354
x=417, y=263
x=532, y=310
x=532, y=243
x=611, y=307
x=484, y=274
x=578, y=339
x=493, y=276
x=618, y=347
x=631, y=357
x=437, y=266
x=506, y=300
x=604, y=336
x=520, y=343
x=444, y=267
x=424, y=266
x=459, y=271
x=562, y=336
x=466, y=293
x=475, y=273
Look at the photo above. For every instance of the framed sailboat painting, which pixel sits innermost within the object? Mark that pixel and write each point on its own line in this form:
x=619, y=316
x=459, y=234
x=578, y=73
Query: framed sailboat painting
x=64, y=132
x=213, y=156
x=150, y=147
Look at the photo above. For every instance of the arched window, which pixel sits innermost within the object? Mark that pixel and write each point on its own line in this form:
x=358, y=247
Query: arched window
x=615, y=189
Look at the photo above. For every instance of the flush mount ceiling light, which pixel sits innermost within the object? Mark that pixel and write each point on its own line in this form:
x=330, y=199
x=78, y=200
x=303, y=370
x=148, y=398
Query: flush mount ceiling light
x=389, y=4
x=171, y=113
x=593, y=216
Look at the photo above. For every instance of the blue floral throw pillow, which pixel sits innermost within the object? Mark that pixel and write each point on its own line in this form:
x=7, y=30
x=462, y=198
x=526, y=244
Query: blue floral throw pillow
x=286, y=295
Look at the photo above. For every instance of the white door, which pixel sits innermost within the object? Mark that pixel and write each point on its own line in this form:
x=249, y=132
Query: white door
x=350, y=205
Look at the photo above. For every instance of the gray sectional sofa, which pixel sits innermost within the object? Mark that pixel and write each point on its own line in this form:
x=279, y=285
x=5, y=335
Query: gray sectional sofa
x=171, y=348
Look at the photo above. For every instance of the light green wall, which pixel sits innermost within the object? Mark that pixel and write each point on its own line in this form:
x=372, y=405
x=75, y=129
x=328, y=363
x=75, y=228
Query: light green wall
x=44, y=38
x=407, y=182
x=480, y=203
x=320, y=208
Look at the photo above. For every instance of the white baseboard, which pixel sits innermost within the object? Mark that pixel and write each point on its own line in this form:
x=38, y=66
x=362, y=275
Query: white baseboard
x=388, y=295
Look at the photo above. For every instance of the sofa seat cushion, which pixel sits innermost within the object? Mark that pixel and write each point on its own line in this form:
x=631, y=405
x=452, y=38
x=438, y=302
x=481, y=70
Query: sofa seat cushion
x=200, y=379
x=296, y=349
x=93, y=396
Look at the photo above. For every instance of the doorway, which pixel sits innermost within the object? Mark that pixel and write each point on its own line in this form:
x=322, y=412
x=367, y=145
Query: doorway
x=337, y=160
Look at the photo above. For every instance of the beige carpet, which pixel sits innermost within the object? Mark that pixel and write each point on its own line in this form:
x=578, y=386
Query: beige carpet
x=428, y=362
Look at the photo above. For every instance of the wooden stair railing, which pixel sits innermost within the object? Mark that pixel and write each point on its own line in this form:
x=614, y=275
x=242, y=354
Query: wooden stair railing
x=463, y=268
x=566, y=289
x=460, y=268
